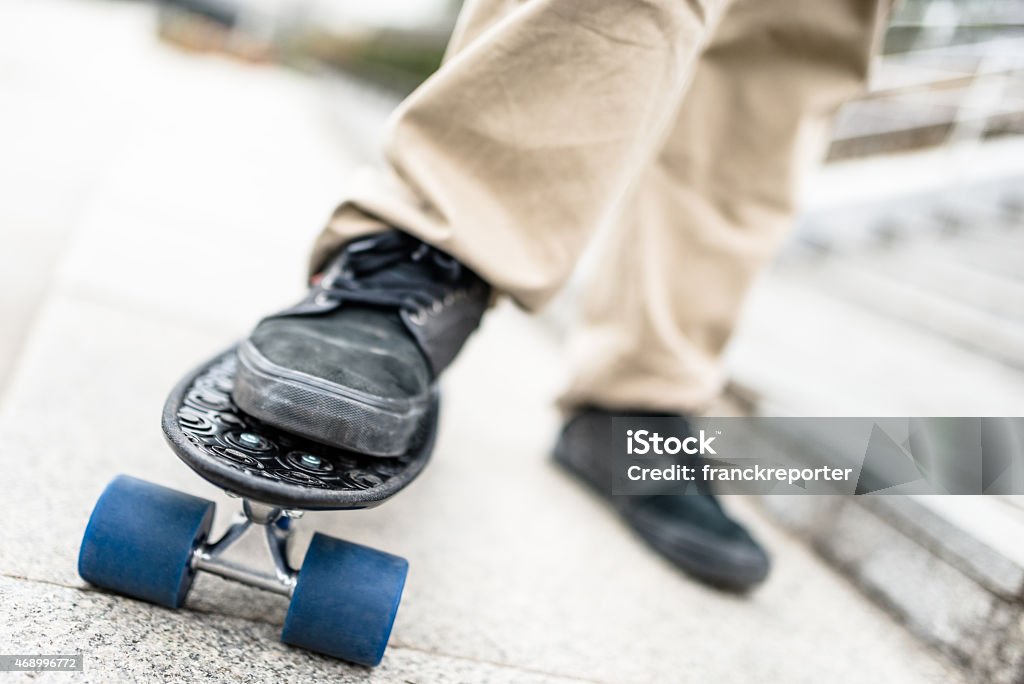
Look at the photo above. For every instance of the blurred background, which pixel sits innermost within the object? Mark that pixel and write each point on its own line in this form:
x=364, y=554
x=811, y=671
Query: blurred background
x=177, y=158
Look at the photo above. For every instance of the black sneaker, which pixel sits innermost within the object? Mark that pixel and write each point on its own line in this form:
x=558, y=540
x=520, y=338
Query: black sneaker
x=354, y=364
x=692, y=531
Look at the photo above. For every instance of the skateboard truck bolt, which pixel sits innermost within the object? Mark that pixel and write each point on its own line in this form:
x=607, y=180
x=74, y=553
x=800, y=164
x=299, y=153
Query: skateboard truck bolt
x=310, y=462
x=249, y=438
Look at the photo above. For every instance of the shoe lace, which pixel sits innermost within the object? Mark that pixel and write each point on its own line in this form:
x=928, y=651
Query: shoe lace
x=393, y=269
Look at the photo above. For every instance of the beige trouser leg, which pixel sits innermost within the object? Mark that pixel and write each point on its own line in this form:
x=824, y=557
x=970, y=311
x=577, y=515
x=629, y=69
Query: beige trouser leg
x=712, y=209
x=543, y=114
x=547, y=112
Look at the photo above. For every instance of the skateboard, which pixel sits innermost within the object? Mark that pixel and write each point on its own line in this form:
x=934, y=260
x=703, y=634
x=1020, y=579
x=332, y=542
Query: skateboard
x=149, y=542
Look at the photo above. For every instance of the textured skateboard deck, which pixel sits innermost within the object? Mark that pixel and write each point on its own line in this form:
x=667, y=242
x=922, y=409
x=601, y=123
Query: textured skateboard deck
x=256, y=461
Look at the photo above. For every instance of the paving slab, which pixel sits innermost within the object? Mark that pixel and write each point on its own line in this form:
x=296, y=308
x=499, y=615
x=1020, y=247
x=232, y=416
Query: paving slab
x=131, y=641
x=787, y=344
x=25, y=276
x=511, y=563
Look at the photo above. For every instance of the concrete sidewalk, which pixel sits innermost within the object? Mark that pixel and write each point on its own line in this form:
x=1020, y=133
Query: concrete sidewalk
x=168, y=201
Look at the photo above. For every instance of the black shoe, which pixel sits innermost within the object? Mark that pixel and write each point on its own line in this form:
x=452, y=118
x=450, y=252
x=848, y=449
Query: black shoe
x=691, y=530
x=354, y=364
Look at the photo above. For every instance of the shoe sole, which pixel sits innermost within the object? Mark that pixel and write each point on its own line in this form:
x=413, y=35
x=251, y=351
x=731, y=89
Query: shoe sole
x=684, y=550
x=324, y=411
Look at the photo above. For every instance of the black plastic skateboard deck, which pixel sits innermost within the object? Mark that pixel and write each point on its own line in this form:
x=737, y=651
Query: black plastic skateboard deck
x=248, y=458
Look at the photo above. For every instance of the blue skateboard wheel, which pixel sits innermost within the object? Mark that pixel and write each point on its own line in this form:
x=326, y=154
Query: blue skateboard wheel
x=140, y=539
x=345, y=600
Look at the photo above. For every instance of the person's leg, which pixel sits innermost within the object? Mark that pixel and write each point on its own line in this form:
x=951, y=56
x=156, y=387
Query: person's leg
x=499, y=166
x=712, y=210
x=543, y=112
x=705, y=217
